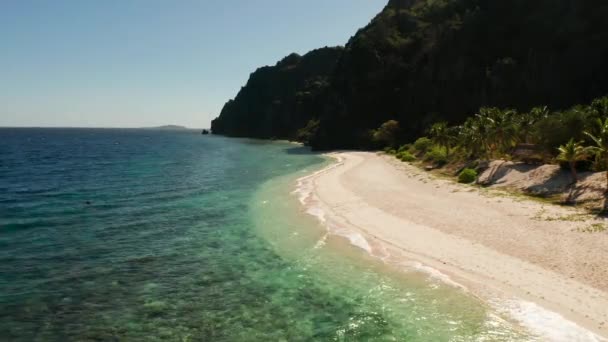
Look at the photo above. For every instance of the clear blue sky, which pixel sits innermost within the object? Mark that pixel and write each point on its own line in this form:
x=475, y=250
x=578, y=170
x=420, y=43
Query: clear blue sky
x=132, y=63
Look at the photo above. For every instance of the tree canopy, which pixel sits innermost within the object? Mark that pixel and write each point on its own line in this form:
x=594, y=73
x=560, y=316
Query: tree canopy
x=424, y=61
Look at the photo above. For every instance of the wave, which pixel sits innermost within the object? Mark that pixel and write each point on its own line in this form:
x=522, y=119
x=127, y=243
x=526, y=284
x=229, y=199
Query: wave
x=304, y=190
x=548, y=325
x=434, y=273
x=305, y=185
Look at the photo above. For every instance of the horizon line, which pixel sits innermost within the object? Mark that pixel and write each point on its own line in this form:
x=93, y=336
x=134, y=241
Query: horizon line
x=105, y=127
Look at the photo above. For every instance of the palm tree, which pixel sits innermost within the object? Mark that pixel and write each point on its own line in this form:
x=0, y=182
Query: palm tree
x=475, y=136
x=442, y=135
x=469, y=138
x=498, y=129
x=526, y=123
x=571, y=153
x=506, y=129
x=601, y=143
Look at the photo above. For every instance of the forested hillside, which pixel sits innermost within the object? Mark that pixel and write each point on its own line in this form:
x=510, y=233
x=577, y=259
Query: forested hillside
x=278, y=100
x=422, y=61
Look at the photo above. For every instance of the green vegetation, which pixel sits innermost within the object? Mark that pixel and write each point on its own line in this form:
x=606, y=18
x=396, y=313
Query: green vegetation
x=406, y=147
x=277, y=101
x=600, y=138
x=451, y=83
x=420, y=62
x=423, y=144
x=443, y=135
x=571, y=153
x=437, y=155
x=575, y=137
x=491, y=133
x=467, y=176
x=305, y=134
x=389, y=150
x=387, y=134
x=406, y=156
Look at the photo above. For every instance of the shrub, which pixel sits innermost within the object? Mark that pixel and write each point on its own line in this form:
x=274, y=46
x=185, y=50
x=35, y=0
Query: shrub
x=389, y=150
x=423, y=144
x=558, y=128
x=306, y=134
x=387, y=133
x=406, y=147
x=406, y=156
x=437, y=155
x=467, y=176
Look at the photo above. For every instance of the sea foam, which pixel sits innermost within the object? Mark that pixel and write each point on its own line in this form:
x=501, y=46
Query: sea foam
x=548, y=325
x=304, y=191
x=434, y=273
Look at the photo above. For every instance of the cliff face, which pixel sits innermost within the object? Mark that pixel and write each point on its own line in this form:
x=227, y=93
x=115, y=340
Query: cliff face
x=423, y=60
x=278, y=100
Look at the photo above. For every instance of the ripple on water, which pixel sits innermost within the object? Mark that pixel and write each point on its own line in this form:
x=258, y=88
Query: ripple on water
x=173, y=247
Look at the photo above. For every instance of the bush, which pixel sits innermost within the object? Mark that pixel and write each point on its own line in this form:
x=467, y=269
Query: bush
x=406, y=156
x=389, y=150
x=556, y=129
x=467, y=176
x=437, y=155
x=306, y=134
x=387, y=133
x=423, y=144
x=406, y=147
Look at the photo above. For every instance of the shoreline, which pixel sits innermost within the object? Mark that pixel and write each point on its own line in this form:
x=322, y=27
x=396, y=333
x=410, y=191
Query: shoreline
x=400, y=215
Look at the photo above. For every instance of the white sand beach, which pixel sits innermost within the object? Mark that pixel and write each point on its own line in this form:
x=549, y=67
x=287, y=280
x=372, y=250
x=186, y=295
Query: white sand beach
x=529, y=259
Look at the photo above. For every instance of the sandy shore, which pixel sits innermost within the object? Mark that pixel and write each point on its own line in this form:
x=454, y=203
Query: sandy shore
x=523, y=257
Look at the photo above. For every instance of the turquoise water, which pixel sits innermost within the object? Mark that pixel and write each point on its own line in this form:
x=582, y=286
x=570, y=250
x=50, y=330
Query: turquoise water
x=133, y=235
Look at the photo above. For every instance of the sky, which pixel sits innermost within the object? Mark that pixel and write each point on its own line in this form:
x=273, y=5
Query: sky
x=142, y=63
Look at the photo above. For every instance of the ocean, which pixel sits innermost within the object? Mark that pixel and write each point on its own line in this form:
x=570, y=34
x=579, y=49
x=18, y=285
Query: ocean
x=145, y=235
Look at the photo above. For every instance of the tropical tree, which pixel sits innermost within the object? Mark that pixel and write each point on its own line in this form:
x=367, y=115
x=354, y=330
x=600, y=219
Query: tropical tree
x=526, y=123
x=600, y=105
x=503, y=129
x=495, y=130
x=473, y=136
x=387, y=133
x=600, y=138
x=572, y=152
x=442, y=135
x=307, y=133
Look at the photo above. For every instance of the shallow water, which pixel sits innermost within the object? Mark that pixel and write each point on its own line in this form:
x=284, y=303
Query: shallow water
x=147, y=235
x=391, y=302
